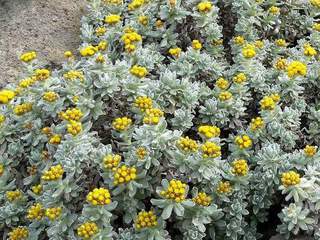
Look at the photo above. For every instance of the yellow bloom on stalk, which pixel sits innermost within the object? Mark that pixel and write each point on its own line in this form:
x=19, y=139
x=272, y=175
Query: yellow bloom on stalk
x=259, y=44
x=1, y=169
x=248, y=51
x=42, y=74
x=222, y=83
x=225, y=96
x=274, y=10
x=224, y=187
x=145, y=220
x=240, y=167
x=68, y=54
x=172, y=3
x=309, y=50
x=14, y=195
x=281, y=42
x=23, y=108
x=53, y=213
x=175, y=52
x=204, y=7
x=2, y=118
x=28, y=56
x=99, y=196
x=19, y=233
x=141, y=153
x=276, y=97
x=37, y=189
x=88, y=51
x=124, y=174
x=100, y=31
x=111, y=161
x=139, y=71
x=202, y=199
x=281, y=64
x=74, y=127
x=315, y=3
x=296, y=68
x=196, y=45
x=316, y=27
x=176, y=191
x=50, y=96
x=290, y=178
x=143, y=103
x=121, y=124
x=152, y=116
x=112, y=19
x=54, y=173
x=217, y=42
x=256, y=123
x=210, y=150
x=209, y=131
x=188, y=145
x=240, y=78
x=55, y=139
x=35, y=212
x=135, y=4
x=239, y=40
x=102, y=45
x=87, y=230
x=310, y=151
x=74, y=114
x=267, y=103
x=129, y=38
x=27, y=82
x=143, y=20
x=159, y=23
x=6, y=96
x=243, y=141
x=100, y=59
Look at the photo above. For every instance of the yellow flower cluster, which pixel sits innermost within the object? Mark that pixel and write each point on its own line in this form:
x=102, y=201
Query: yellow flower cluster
x=267, y=103
x=240, y=78
x=74, y=114
x=13, y=195
x=1, y=169
x=22, y=108
x=129, y=38
x=310, y=151
x=259, y=44
x=121, y=124
x=153, y=116
x=281, y=64
x=100, y=31
x=102, y=45
x=47, y=131
x=204, y=7
x=37, y=189
x=225, y=96
x=316, y=27
x=74, y=127
x=112, y=19
x=53, y=213
x=88, y=51
x=54, y=173
x=124, y=174
x=239, y=40
x=256, y=123
x=55, y=139
x=27, y=82
x=243, y=141
x=217, y=42
x=2, y=118
x=296, y=68
x=143, y=20
x=73, y=75
x=41, y=74
x=111, y=161
x=175, y=52
x=188, y=145
x=274, y=10
x=224, y=187
x=290, y=178
x=100, y=59
x=315, y=3
x=222, y=83
x=202, y=199
x=146, y=220
x=68, y=54
x=87, y=230
x=141, y=152
x=19, y=233
x=209, y=131
x=176, y=191
x=309, y=50
x=115, y=2
x=143, y=103
x=50, y=96
x=138, y=71
x=159, y=23
x=35, y=212
x=6, y=96
x=28, y=56
x=135, y=4
x=210, y=150
x=196, y=45
x=248, y=51
x=99, y=196
x=281, y=42
x=240, y=167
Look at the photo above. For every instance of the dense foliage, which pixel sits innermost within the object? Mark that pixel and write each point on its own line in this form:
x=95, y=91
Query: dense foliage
x=155, y=132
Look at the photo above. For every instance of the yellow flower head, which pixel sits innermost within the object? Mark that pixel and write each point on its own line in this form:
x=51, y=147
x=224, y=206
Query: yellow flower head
x=22, y=109
x=131, y=37
x=188, y=145
x=159, y=23
x=41, y=74
x=222, y=83
x=248, y=51
x=309, y=51
x=54, y=173
x=315, y=3
x=267, y=103
x=73, y=75
x=74, y=127
x=27, y=82
x=68, y=54
x=99, y=196
x=316, y=27
x=281, y=42
x=243, y=141
x=240, y=167
x=204, y=7
x=256, y=123
x=121, y=124
x=141, y=153
x=19, y=233
x=225, y=96
x=143, y=20
x=135, y=4
x=274, y=10
x=100, y=31
x=224, y=187
x=124, y=174
x=143, y=103
x=50, y=96
x=6, y=96
x=281, y=64
x=239, y=40
x=114, y=2
x=112, y=19
x=310, y=151
x=210, y=150
x=259, y=44
x=102, y=45
x=100, y=59
x=202, y=199
x=14, y=195
x=70, y=114
x=209, y=131
x=37, y=189
x=35, y=212
x=53, y=213
x=296, y=68
x=139, y=71
x=145, y=220
x=87, y=230
x=196, y=45
x=290, y=178
x=176, y=191
x=88, y=51
x=153, y=116
x=240, y=78
x=55, y=139
x=175, y=52
x=28, y=56
x=1, y=169
x=111, y=161
x=2, y=118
